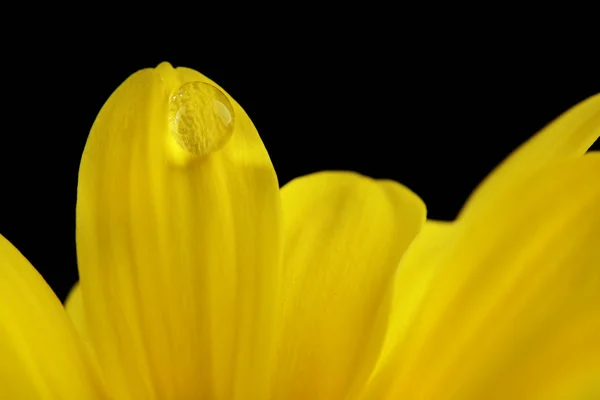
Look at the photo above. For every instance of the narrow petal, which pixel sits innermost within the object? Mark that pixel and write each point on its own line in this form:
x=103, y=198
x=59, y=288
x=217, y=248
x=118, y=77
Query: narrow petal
x=411, y=282
x=75, y=310
x=344, y=235
x=41, y=355
x=513, y=309
x=570, y=135
x=178, y=236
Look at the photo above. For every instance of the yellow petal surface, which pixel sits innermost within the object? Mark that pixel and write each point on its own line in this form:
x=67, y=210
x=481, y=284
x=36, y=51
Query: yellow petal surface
x=412, y=280
x=178, y=236
x=570, y=135
x=75, y=310
x=344, y=235
x=513, y=309
x=41, y=356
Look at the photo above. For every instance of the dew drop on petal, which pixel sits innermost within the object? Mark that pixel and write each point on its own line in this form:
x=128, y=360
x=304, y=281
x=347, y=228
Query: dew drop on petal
x=201, y=118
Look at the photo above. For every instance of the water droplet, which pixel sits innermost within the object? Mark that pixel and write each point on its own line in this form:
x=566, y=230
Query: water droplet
x=201, y=118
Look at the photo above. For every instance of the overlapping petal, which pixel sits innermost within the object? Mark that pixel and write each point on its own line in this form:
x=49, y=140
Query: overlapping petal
x=344, y=235
x=512, y=307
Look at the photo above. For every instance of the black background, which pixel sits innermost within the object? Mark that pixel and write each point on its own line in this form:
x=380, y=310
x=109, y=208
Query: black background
x=436, y=114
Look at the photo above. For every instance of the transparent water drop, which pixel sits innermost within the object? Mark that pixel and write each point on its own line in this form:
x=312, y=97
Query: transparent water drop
x=201, y=118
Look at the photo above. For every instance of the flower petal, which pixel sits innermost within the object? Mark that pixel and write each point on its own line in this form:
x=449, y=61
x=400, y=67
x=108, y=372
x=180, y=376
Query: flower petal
x=179, y=253
x=344, y=235
x=513, y=309
x=411, y=282
x=42, y=357
x=75, y=310
x=570, y=135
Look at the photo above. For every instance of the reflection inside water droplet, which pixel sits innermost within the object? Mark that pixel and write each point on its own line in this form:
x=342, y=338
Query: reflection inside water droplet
x=201, y=118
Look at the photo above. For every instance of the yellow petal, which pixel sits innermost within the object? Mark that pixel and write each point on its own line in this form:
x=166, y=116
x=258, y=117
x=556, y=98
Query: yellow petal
x=411, y=282
x=41, y=357
x=513, y=309
x=570, y=135
x=74, y=308
x=178, y=236
x=344, y=235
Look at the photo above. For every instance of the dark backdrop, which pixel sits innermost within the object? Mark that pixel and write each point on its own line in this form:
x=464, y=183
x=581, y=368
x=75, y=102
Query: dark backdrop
x=436, y=115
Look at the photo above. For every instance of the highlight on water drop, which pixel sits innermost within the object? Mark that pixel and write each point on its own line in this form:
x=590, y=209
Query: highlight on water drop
x=201, y=118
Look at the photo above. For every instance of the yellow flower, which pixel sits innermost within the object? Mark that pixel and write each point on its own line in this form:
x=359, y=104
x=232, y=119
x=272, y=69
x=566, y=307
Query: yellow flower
x=200, y=279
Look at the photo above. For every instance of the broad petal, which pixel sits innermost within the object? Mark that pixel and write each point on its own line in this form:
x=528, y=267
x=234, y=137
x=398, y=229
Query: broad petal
x=570, y=135
x=42, y=357
x=179, y=253
x=344, y=235
x=513, y=309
